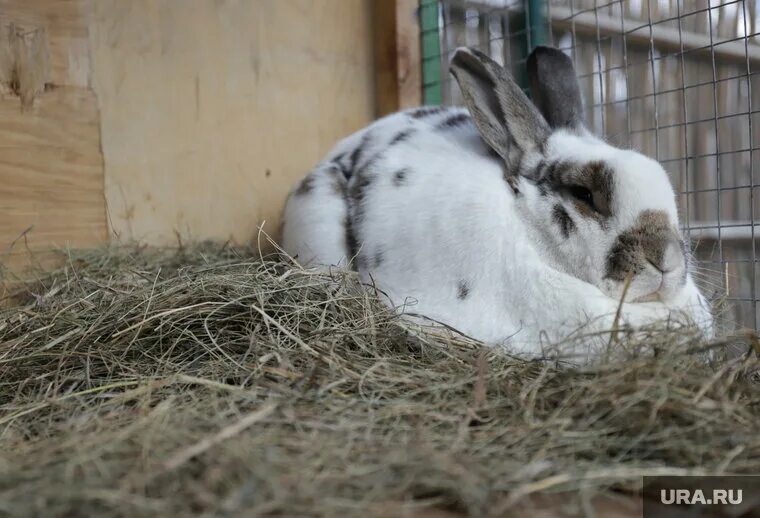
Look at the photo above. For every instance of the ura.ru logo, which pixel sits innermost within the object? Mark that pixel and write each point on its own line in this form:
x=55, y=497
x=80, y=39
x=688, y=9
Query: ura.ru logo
x=685, y=496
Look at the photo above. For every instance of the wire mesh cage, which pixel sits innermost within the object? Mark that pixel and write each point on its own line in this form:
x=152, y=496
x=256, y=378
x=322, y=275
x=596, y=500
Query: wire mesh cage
x=674, y=79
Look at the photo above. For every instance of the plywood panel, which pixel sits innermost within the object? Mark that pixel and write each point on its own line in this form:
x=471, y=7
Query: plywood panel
x=211, y=109
x=396, y=45
x=65, y=23
x=51, y=167
x=409, y=53
x=51, y=172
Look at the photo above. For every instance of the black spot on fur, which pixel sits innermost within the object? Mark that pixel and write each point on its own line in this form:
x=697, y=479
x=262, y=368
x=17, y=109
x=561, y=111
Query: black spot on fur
x=426, y=111
x=399, y=177
x=453, y=121
x=539, y=169
x=514, y=183
x=356, y=154
x=354, y=157
x=306, y=185
x=359, y=188
x=463, y=290
x=552, y=173
x=337, y=181
x=401, y=136
x=340, y=162
x=379, y=257
x=562, y=177
x=362, y=170
x=352, y=245
x=356, y=199
x=597, y=177
x=563, y=219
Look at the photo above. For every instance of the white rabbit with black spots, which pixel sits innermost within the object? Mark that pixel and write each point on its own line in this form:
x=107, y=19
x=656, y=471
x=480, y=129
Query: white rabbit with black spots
x=508, y=221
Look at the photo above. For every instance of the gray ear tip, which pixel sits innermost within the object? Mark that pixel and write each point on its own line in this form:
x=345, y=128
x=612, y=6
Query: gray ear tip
x=544, y=53
x=554, y=87
x=463, y=56
x=465, y=50
x=467, y=59
x=470, y=54
x=546, y=49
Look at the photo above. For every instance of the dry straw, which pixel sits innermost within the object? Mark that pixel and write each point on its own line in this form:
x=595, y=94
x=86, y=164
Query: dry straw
x=206, y=381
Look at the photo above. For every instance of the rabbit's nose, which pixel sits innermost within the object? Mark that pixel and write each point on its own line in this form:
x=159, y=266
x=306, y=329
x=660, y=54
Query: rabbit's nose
x=669, y=259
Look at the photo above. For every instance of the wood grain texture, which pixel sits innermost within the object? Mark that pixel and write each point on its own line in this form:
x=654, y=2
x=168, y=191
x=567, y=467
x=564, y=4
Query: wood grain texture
x=211, y=110
x=386, y=60
x=66, y=25
x=409, y=60
x=52, y=173
x=51, y=166
x=396, y=46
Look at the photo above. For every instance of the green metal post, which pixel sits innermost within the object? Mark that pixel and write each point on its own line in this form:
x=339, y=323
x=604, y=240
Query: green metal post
x=534, y=29
x=431, y=52
x=535, y=13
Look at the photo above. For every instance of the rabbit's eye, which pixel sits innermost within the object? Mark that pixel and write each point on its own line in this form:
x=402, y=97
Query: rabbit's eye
x=581, y=193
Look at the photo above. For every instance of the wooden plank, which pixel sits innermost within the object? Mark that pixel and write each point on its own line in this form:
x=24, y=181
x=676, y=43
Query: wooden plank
x=385, y=51
x=664, y=37
x=52, y=173
x=211, y=111
x=65, y=23
x=396, y=45
x=408, y=53
x=51, y=167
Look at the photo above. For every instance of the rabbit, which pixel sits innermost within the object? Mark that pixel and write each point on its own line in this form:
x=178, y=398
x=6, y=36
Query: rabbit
x=507, y=221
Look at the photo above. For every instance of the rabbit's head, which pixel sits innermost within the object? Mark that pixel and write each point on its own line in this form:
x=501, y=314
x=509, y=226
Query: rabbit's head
x=602, y=214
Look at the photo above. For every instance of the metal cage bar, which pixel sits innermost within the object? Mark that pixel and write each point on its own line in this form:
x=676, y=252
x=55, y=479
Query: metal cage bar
x=431, y=52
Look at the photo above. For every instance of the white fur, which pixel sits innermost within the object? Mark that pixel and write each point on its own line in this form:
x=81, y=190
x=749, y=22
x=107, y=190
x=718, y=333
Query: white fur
x=455, y=219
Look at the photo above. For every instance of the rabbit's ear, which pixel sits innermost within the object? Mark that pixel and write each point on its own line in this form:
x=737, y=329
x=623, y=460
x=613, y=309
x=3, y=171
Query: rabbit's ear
x=555, y=89
x=501, y=111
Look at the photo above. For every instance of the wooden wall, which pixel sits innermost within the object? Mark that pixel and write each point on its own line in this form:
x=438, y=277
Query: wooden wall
x=51, y=168
x=175, y=117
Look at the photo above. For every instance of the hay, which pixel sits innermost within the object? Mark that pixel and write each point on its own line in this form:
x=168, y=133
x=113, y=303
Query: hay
x=149, y=382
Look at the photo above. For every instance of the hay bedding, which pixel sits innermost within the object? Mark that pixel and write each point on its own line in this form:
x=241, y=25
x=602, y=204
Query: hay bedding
x=206, y=381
